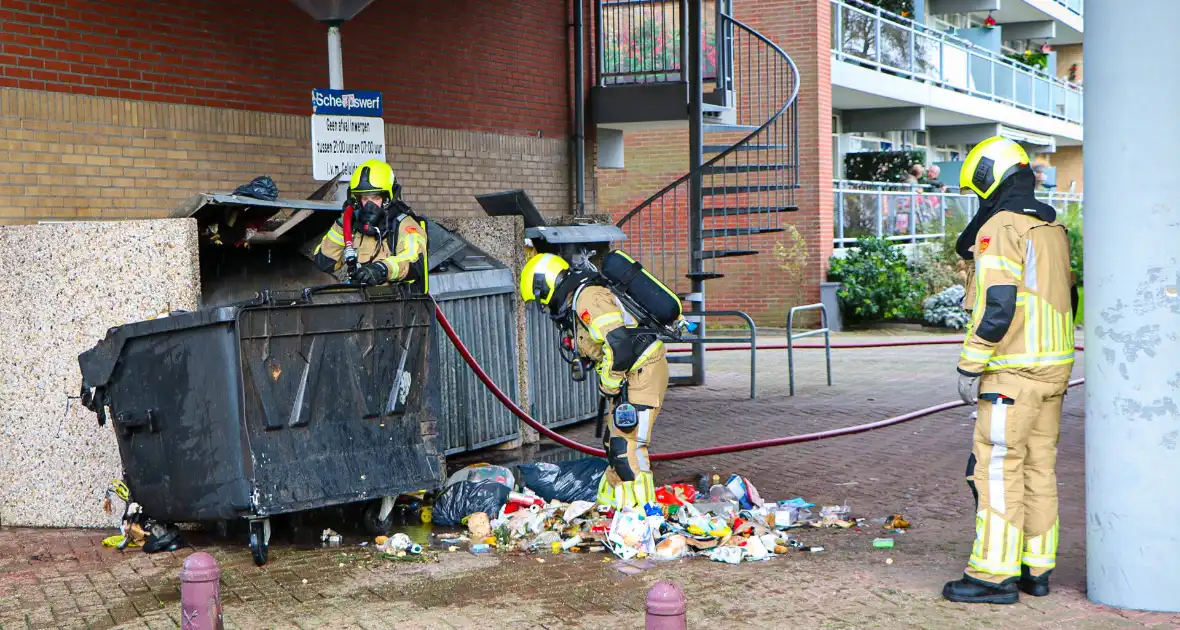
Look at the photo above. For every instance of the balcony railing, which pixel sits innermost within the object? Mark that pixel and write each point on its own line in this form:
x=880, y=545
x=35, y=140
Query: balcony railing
x=1072, y=5
x=887, y=42
x=642, y=41
x=907, y=213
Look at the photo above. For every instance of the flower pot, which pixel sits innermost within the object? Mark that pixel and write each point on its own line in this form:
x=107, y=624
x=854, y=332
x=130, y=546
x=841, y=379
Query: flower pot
x=831, y=302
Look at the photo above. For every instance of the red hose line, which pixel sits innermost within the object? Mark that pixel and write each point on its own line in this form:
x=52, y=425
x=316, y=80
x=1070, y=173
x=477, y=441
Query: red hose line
x=816, y=346
x=701, y=452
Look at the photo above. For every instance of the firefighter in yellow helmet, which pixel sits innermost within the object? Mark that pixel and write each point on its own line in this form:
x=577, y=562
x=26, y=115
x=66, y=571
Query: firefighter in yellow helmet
x=628, y=359
x=387, y=242
x=1019, y=353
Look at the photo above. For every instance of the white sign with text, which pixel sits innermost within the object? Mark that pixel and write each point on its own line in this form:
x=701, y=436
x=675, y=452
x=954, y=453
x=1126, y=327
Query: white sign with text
x=341, y=143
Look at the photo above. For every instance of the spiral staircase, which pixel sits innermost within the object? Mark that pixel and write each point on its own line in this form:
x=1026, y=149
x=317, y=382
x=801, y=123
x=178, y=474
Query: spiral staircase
x=744, y=179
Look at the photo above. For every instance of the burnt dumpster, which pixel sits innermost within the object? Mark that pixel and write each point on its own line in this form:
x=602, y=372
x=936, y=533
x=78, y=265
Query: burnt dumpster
x=287, y=402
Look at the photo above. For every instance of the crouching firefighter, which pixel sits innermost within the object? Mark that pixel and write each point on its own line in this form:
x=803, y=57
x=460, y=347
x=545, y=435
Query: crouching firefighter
x=1019, y=352
x=377, y=237
x=628, y=357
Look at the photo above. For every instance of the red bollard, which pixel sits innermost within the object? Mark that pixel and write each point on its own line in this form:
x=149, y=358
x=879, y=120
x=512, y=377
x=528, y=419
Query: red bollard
x=200, y=593
x=666, y=607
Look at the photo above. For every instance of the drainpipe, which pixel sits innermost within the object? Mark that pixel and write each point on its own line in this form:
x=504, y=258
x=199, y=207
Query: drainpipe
x=579, y=111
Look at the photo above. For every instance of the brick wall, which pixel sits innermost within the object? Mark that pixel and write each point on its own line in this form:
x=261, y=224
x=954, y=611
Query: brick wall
x=483, y=65
x=656, y=158
x=1066, y=57
x=66, y=156
x=1068, y=161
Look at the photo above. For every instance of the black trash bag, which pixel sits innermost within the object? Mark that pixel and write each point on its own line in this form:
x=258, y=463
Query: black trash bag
x=566, y=481
x=163, y=538
x=465, y=498
x=262, y=187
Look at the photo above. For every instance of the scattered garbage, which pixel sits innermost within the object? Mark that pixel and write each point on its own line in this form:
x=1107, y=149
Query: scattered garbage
x=883, y=543
x=330, y=538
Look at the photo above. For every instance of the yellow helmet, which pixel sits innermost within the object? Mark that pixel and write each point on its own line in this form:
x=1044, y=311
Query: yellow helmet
x=539, y=277
x=989, y=164
x=374, y=176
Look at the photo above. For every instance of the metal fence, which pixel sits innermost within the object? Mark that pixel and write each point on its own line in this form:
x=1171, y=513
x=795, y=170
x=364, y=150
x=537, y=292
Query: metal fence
x=869, y=36
x=642, y=41
x=555, y=399
x=470, y=415
x=905, y=213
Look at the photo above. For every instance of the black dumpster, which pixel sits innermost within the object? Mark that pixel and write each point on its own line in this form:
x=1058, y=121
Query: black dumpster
x=287, y=402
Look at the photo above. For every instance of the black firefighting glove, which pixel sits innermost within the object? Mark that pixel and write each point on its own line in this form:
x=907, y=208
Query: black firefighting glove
x=371, y=273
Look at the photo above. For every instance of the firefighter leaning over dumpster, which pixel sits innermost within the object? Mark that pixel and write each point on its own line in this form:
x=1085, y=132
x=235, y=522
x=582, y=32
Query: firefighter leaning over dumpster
x=628, y=358
x=387, y=242
x=1019, y=351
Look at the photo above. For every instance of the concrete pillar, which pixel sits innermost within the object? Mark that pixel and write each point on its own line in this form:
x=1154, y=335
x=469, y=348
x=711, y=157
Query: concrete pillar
x=1132, y=273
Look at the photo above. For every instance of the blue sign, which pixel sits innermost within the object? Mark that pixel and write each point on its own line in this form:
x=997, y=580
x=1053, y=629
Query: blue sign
x=345, y=102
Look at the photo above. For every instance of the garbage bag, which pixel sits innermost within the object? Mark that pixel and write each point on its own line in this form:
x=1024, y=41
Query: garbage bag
x=475, y=488
x=262, y=187
x=464, y=498
x=566, y=481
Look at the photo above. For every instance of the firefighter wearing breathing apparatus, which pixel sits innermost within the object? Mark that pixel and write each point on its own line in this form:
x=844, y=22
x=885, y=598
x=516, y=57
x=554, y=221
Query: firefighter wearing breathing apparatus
x=628, y=358
x=1019, y=352
x=377, y=237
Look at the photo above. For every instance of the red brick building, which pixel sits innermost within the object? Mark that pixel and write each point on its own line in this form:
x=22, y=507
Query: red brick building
x=124, y=108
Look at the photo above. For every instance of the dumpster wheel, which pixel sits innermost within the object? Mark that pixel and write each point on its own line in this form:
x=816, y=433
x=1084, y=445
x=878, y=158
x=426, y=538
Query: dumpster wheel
x=259, y=540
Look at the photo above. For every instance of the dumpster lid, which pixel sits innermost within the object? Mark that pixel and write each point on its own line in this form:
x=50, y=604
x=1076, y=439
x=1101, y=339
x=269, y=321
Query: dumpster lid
x=98, y=363
x=564, y=234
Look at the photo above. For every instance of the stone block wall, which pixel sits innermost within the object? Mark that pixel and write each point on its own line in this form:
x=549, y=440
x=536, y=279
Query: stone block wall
x=64, y=286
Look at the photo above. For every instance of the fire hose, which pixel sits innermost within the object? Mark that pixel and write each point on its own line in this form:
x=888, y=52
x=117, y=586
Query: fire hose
x=713, y=450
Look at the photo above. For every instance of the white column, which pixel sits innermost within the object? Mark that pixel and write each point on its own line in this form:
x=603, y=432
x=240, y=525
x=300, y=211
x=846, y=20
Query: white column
x=1132, y=269
x=335, y=59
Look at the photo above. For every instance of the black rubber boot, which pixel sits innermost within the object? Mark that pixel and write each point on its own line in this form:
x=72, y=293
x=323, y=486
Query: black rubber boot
x=1035, y=586
x=970, y=591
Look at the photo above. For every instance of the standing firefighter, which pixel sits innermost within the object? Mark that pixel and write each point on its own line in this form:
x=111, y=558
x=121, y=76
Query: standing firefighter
x=377, y=236
x=1019, y=351
x=627, y=357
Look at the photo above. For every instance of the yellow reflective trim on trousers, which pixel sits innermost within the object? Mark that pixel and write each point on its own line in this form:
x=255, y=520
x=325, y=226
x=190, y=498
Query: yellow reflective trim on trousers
x=336, y=235
x=998, y=546
x=1041, y=551
x=643, y=358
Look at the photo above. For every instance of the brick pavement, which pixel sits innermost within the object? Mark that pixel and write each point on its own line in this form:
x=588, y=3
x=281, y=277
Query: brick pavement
x=63, y=578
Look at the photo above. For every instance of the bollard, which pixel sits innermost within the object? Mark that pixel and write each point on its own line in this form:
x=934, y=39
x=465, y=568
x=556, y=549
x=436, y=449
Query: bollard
x=200, y=593
x=666, y=607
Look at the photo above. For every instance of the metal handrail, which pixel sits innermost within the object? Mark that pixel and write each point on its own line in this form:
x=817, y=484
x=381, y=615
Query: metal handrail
x=740, y=143
x=791, y=337
x=752, y=339
x=945, y=40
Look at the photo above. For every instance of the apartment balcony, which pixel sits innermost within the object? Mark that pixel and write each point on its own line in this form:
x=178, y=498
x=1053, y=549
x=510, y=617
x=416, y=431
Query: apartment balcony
x=907, y=214
x=884, y=61
x=1066, y=16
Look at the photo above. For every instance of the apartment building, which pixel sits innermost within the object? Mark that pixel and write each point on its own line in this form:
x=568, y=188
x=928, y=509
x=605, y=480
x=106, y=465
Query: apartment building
x=932, y=77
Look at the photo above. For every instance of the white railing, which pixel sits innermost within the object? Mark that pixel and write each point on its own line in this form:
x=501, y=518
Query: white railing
x=908, y=213
x=869, y=36
x=1072, y=5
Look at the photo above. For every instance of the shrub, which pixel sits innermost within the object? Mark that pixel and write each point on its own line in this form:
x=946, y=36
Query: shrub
x=944, y=308
x=1071, y=218
x=881, y=166
x=877, y=283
